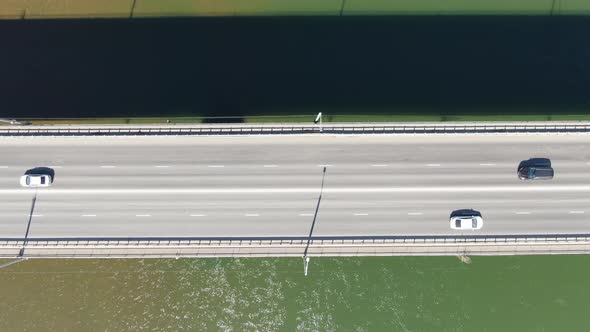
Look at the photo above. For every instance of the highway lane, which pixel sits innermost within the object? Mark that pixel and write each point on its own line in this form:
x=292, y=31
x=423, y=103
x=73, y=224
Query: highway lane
x=291, y=214
x=269, y=186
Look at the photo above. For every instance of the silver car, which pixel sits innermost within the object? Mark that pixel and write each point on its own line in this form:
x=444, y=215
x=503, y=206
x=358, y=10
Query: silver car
x=35, y=180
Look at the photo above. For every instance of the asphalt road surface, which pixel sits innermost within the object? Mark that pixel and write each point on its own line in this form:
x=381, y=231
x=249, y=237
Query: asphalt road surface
x=270, y=185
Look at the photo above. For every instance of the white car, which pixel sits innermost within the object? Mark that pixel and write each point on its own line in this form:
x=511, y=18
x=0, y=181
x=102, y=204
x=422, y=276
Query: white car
x=466, y=222
x=35, y=180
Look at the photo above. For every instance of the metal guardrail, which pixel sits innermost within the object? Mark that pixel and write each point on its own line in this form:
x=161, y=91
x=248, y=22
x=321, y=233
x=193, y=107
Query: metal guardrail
x=297, y=241
x=545, y=244
x=344, y=129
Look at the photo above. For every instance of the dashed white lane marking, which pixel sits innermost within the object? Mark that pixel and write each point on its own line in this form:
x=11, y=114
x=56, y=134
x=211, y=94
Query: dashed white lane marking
x=216, y=166
x=252, y=215
x=3, y=166
x=445, y=189
x=270, y=166
x=108, y=166
x=89, y=215
x=379, y=165
x=523, y=212
x=143, y=215
x=487, y=164
x=55, y=166
x=162, y=166
x=576, y=212
x=433, y=165
x=324, y=165
x=197, y=215
x=361, y=214
x=36, y=215
x=414, y=213
x=306, y=214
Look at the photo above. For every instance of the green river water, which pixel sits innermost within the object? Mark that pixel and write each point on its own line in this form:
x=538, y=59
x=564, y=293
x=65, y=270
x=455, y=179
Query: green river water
x=534, y=293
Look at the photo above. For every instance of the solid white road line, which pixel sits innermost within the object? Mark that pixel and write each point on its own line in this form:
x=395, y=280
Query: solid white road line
x=379, y=165
x=270, y=166
x=89, y=215
x=197, y=215
x=251, y=215
x=162, y=166
x=143, y=215
x=523, y=212
x=36, y=215
x=433, y=165
x=414, y=213
x=576, y=212
x=361, y=214
x=306, y=214
x=324, y=165
x=487, y=164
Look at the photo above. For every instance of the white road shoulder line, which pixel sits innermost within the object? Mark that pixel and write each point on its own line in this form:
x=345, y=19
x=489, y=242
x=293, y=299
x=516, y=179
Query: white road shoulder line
x=251, y=215
x=143, y=215
x=414, y=213
x=576, y=212
x=89, y=215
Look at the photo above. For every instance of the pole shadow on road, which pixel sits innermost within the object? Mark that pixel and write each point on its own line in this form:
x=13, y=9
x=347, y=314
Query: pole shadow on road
x=31, y=212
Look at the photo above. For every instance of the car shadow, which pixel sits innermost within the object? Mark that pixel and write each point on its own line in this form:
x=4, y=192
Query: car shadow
x=42, y=170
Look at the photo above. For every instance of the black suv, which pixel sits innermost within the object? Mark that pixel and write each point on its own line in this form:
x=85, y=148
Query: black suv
x=535, y=169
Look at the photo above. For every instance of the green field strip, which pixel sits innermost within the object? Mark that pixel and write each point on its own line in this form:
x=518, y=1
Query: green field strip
x=235, y=7
x=31, y=9
x=467, y=7
x=573, y=7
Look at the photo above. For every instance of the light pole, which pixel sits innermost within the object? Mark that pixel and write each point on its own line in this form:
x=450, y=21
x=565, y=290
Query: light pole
x=18, y=260
x=318, y=118
x=21, y=252
x=11, y=121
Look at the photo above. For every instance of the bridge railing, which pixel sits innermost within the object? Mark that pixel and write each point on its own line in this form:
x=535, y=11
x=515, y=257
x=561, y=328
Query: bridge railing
x=299, y=241
x=288, y=129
